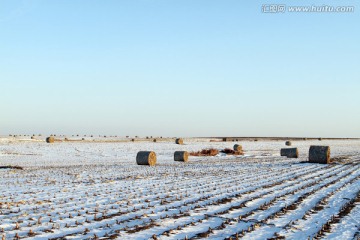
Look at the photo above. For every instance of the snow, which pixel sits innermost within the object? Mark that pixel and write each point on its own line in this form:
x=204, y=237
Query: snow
x=80, y=189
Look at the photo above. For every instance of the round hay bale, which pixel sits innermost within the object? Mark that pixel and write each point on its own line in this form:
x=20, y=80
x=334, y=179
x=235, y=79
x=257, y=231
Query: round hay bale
x=83, y=139
x=288, y=143
x=179, y=141
x=181, y=156
x=133, y=140
x=154, y=140
x=289, y=152
x=237, y=147
x=146, y=158
x=319, y=154
x=50, y=139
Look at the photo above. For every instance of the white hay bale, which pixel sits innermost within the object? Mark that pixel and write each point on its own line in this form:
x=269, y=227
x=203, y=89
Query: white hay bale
x=50, y=139
x=237, y=148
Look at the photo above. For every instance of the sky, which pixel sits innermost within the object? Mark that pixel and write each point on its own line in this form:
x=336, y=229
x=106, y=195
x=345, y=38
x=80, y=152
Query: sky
x=178, y=68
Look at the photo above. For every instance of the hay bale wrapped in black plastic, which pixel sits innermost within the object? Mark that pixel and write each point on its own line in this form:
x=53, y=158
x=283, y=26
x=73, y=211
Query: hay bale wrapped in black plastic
x=319, y=154
x=237, y=148
x=288, y=143
x=179, y=141
x=146, y=158
x=50, y=139
x=181, y=156
x=289, y=152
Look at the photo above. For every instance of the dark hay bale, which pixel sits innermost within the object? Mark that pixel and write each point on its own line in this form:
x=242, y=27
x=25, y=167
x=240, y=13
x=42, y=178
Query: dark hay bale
x=181, y=156
x=133, y=140
x=179, y=141
x=237, y=147
x=83, y=139
x=319, y=154
x=289, y=152
x=205, y=152
x=154, y=140
x=146, y=158
x=288, y=143
x=50, y=139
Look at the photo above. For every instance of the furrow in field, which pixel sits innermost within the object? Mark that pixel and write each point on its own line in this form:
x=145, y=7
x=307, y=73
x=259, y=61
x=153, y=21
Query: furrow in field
x=252, y=205
x=301, y=206
x=96, y=225
x=315, y=223
x=214, y=210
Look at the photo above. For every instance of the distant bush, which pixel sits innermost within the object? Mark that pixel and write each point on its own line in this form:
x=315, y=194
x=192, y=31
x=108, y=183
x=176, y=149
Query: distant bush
x=205, y=152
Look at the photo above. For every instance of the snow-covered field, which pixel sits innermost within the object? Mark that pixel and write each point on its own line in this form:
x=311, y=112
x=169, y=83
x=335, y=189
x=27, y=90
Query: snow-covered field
x=82, y=190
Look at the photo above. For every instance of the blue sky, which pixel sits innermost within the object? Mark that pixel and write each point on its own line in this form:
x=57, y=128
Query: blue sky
x=178, y=68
